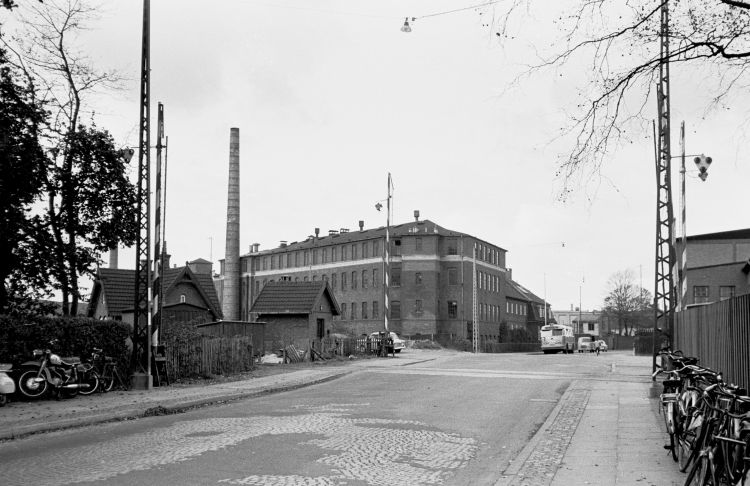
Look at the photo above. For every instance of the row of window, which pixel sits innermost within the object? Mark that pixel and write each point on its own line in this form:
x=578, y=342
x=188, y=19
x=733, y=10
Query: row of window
x=701, y=293
x=315, y=256
x=354, y=310
x=515, y=308
x=360, y=311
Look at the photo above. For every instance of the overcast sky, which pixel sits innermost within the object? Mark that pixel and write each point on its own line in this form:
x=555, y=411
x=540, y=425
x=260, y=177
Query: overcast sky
x=330, y=96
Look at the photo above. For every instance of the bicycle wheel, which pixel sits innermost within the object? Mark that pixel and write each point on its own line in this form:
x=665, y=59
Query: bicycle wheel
x=107, y=380
x=700, y=472
x=89, y=382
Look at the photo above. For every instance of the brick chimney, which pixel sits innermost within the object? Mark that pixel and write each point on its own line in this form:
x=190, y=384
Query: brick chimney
x=230, y=306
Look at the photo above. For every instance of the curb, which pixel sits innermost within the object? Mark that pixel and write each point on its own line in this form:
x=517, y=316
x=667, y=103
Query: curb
x=166, y=407
x=510, y=474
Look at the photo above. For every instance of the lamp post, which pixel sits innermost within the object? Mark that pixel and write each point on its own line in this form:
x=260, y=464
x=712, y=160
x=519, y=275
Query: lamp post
x=386, y=255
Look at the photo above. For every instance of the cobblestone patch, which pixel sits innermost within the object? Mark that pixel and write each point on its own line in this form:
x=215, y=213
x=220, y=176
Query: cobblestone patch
x=540, y=466
x=370, y=450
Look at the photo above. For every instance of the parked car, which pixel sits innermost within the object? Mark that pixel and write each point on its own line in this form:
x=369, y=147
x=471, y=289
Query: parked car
x=398, y=343
x=602, y=345
x=585, y=344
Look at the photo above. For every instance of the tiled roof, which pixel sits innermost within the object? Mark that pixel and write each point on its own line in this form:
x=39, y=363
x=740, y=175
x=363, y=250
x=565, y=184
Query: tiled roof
x=412, y=228
x=118, y=285
x=293, y=298
x=517, y=291
x=200, y=260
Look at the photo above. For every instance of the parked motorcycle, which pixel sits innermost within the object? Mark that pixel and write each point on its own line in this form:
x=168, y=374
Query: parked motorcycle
x=7, y=385
x=50, y=372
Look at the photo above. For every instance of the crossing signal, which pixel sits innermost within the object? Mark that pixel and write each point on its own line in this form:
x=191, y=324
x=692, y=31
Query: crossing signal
x=703, y=164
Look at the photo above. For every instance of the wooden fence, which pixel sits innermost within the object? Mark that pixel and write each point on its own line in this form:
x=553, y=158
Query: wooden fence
x=718, y=334
x=207, y=356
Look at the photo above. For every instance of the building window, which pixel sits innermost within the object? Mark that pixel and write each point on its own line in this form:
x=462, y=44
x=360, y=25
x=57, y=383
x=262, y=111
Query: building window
x=343, y=281
x=452, y=247
x=418, y=244
x=364, y=249
x=333, y=253
x=314, y=278
x=452, y=276
x=452, y=309
x=396, y=276
x=700, y=294
x=265, y=263
x=324, y=255
x=325, y=277
x=257, y=287
x=354, y=310
x=364, y=279
x=315, y=257
x=307, y=258
x=395, y=309
x=397, y=247
x=375, y=249
x=418, y=278
x=333, y=280
x=418, y=307
x=364, y=310
x=375, y=310
x=296, y=259
x=182, y=298
x=354, y=280
x=343, y=253
x=591, y=326
x=375, y=279
x=305, y=279
x=343, y=310
x=354, y=251
x=726, y=292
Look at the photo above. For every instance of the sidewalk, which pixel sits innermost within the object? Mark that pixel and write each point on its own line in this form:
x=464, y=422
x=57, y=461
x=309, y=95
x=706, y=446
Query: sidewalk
x=602, y=432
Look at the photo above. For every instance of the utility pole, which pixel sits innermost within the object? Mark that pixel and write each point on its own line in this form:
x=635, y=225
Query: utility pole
x=158, y=236
x=387, y=257
x=140, y=363
x=665, y=255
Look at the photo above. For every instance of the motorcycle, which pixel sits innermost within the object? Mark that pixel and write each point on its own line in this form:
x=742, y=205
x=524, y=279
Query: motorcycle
x=50, y=372
x=7, y=385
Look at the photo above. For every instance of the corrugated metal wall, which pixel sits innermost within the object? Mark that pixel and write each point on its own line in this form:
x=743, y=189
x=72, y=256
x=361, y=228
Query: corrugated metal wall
x=718, y=334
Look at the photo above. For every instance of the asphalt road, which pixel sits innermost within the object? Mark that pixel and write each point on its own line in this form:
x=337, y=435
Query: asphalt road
x=459, y=419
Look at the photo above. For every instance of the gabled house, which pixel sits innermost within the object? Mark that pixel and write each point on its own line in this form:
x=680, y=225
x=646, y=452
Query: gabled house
x=298, y=313
x=524, y=309
x=189, y=295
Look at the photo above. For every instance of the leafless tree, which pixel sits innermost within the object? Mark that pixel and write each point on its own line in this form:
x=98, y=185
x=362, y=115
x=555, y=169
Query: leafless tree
x=620, y=44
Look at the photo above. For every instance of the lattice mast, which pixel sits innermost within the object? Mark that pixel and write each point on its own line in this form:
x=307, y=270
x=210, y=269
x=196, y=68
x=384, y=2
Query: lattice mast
x=141, y=358
x=664, y=291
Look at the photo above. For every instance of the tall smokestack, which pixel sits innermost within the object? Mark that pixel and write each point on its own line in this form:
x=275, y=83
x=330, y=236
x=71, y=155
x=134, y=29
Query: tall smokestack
x=113, y=257
x=231, y=302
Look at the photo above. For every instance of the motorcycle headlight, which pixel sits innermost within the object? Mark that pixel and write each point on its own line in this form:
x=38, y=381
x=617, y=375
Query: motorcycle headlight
x=55, y=359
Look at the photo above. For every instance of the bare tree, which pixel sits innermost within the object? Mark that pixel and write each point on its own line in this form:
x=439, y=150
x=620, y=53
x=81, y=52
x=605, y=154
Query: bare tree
x=619, y=44
x=90, y=203
x=628, y=304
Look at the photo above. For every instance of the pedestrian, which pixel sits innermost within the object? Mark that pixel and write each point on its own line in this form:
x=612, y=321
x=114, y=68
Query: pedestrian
x=598, y=347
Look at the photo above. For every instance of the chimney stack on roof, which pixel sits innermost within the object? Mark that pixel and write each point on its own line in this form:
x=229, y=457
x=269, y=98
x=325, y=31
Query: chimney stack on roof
x=416, y=215
x=231, y=302
x=317, y=232
x=113, y=257
x=361, y=225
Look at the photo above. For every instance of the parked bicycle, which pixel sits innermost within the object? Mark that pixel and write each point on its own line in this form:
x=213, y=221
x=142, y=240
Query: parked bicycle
x=708, y=422
x=109, y=374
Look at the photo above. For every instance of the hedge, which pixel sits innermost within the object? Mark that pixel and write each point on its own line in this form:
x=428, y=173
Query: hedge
x=75, y=336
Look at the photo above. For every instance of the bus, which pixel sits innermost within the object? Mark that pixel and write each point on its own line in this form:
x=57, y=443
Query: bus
x=556, y=338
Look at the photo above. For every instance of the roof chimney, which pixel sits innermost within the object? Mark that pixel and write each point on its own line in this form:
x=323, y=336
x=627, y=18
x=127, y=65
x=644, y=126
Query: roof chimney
x=231, y=302
x=361, y=225
x=113, y=257
x=416, y=215
x=317, y=232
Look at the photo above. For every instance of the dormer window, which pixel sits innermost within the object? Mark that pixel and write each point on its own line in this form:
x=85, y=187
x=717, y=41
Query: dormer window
x=182, y=298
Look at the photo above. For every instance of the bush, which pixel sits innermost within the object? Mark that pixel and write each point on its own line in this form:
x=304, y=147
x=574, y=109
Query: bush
x=75, y=336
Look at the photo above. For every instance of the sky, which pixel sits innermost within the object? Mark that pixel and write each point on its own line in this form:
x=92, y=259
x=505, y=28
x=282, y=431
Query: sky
x=330, y=96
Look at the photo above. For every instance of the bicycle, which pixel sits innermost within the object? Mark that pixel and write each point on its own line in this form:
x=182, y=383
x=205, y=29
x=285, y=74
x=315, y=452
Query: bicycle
x=109, y=374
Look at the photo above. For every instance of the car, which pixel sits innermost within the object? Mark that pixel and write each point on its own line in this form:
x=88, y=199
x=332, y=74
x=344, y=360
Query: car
x=585, y=344
x=398, y=343
x=602, y=345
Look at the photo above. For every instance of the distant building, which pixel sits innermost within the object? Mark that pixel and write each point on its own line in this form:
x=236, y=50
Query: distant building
x=583, y=322
x=718, y=266
x=431, y=280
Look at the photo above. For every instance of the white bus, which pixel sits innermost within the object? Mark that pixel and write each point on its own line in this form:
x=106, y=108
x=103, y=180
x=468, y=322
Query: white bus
x=556, y=338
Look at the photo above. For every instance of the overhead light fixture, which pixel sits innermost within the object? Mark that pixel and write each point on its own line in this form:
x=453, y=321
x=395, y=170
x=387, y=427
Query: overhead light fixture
x=406, y=27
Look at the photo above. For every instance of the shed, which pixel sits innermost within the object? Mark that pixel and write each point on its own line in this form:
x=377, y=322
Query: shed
x=295, y=313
